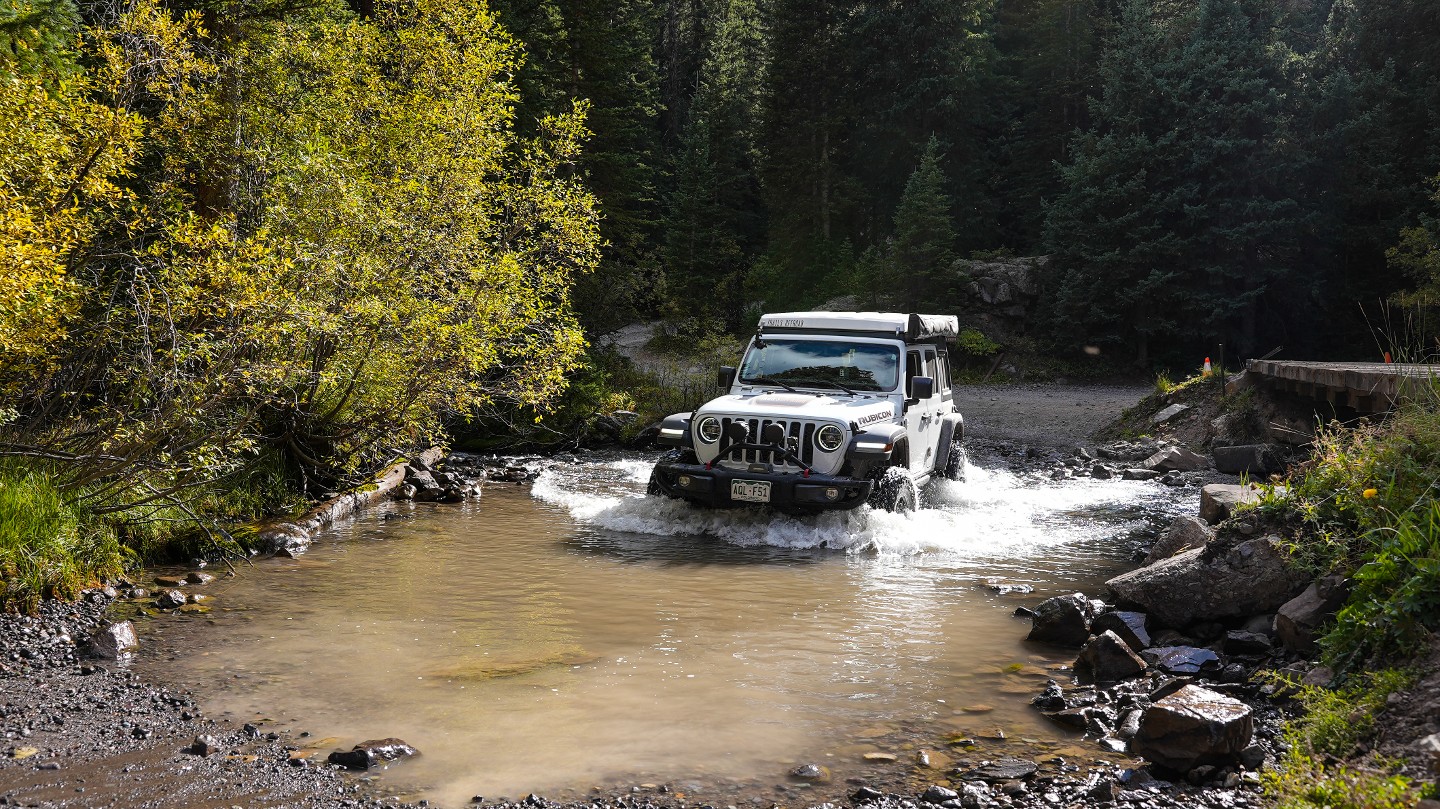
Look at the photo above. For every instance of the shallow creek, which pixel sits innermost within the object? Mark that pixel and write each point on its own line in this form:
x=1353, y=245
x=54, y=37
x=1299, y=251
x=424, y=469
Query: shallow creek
x=572, y=633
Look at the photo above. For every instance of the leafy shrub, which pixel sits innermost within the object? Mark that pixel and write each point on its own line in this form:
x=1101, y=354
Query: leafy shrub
x=974, y=343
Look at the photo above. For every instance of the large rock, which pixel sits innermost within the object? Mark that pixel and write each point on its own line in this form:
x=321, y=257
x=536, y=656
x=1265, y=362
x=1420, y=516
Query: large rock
x=1186, y=533
x=1193, y=726
x=1299, y=619
x=1176, y=459
x=373, y=753
x=114, y=642
x=1247, y=459
x=1108, y=659
x=1169, y=413
x=1063, y=619
x=1219, y=500
x=1130, y=626
x=1209, y=585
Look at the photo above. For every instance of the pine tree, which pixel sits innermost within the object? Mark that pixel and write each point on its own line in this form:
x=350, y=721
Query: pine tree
x=715, y=226
x=1177, y=221
x=923, y=248
x=37, y=37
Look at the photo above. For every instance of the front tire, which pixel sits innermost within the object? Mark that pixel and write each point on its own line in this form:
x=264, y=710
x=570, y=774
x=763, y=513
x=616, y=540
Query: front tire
x=894, y=491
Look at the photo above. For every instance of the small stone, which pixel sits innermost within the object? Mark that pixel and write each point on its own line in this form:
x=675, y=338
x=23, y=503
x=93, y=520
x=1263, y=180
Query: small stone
x=939, y=794
x=19, y=753
x=373, y=753
x=881, y=757
x=866, y=795
x=1063, y=620
x=1005, y=769
x=170, y=581
x=1240, y=642
x=1139, y=474
x=196, y=577
x=1109, y=659
x=169, y=599
x=1168, y=413
x=204, y=746
x=114, y=642
x=49, y=765
x=812, y=773
x=1105, y=791
x=1130, y=626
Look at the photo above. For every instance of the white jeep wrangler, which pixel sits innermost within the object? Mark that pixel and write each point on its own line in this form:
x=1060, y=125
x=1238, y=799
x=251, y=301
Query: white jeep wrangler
x=828, y=410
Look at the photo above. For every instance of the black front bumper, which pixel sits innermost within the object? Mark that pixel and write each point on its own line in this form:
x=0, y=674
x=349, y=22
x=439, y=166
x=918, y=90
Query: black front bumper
x=791, y=491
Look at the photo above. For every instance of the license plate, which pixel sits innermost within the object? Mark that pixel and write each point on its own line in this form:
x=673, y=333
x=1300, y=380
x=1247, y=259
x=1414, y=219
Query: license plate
x=751, y=491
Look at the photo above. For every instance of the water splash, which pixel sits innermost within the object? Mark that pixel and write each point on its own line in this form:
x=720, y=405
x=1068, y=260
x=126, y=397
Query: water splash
x=994, y=512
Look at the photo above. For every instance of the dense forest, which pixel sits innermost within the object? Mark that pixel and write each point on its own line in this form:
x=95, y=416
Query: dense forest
x=245, y=241
x=1242, y=171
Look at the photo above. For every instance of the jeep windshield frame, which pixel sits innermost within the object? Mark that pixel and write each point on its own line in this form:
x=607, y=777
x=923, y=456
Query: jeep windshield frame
x=849, y=365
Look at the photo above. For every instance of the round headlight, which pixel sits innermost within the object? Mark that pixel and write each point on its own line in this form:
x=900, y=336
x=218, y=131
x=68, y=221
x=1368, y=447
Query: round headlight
x=829, y=438
x=708, y=429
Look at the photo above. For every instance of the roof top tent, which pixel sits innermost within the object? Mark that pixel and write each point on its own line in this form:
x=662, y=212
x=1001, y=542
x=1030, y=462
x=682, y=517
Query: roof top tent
x=913, y=328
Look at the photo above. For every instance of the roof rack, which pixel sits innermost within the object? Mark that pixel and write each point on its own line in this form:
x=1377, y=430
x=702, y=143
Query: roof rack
x=910, y=327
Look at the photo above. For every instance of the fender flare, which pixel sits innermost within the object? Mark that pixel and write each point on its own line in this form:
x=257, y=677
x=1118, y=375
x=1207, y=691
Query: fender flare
x=952, y=428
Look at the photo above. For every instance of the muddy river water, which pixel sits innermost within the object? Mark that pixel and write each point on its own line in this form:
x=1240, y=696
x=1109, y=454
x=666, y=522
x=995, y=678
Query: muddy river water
x=572, y=633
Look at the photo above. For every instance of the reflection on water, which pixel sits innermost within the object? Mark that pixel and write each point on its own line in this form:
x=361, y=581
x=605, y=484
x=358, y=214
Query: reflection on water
x=577, y=634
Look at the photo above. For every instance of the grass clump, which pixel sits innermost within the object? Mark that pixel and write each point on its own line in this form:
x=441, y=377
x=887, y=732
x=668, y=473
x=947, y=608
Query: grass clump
x=1366, y=504
x=49, y=546
x=1332, y=726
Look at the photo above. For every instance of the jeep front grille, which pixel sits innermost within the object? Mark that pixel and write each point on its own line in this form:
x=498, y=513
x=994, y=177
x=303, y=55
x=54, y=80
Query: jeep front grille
x=799, y=439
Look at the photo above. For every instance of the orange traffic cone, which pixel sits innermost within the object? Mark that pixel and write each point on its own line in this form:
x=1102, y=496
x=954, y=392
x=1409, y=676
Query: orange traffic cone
x=1208, y=370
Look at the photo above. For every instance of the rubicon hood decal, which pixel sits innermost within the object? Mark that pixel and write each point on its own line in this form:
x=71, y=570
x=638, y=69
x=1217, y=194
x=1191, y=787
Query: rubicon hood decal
x=883, y=415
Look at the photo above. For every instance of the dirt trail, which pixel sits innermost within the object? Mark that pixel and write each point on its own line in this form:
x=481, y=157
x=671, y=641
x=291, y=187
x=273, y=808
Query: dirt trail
x=1042, y=415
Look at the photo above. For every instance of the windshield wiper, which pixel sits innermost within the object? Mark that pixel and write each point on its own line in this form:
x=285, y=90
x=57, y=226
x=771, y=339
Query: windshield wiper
x=768, y=380
x=830, y=382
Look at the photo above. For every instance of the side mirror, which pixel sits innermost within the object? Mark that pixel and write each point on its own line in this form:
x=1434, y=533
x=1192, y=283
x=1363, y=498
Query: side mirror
x=726, y=377
x=923, y=387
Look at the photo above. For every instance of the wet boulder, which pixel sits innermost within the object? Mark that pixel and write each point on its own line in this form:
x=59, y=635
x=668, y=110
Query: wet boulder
x=1063, y=619
x=1108, y=659
x=427, y=488
x=1299, y=620
x=1130, y=626
x=284, y=539
x=1208, y=584
x=1176, y=459
x=1185, y=534
x=1139, y=474
x=938, y=794
x=170, y=599
x=197, y=577
x=1005, y=769
x=1182, y=659
x=114, y=642
x=1194, y=726
x=812, y=773
x=373, y=753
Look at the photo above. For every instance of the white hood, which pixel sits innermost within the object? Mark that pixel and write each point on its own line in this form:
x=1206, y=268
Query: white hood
x=803, y=405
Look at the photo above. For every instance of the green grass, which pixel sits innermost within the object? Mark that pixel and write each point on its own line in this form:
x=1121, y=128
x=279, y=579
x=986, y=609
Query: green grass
x=48, y=545
x=1366, y=505
x=1331, y=726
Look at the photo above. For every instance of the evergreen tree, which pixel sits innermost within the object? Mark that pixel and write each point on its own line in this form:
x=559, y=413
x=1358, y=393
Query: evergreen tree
x=36, y=37
x=603, y=52
x=808, y=120
x=716, y=225
x=923, y=248
x=1177, y=219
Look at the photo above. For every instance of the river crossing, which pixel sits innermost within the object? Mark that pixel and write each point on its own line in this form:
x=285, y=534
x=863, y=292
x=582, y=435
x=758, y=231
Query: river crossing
x=573, y=634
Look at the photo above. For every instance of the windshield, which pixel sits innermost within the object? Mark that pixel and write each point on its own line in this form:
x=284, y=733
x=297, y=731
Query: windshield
x=822, y=363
